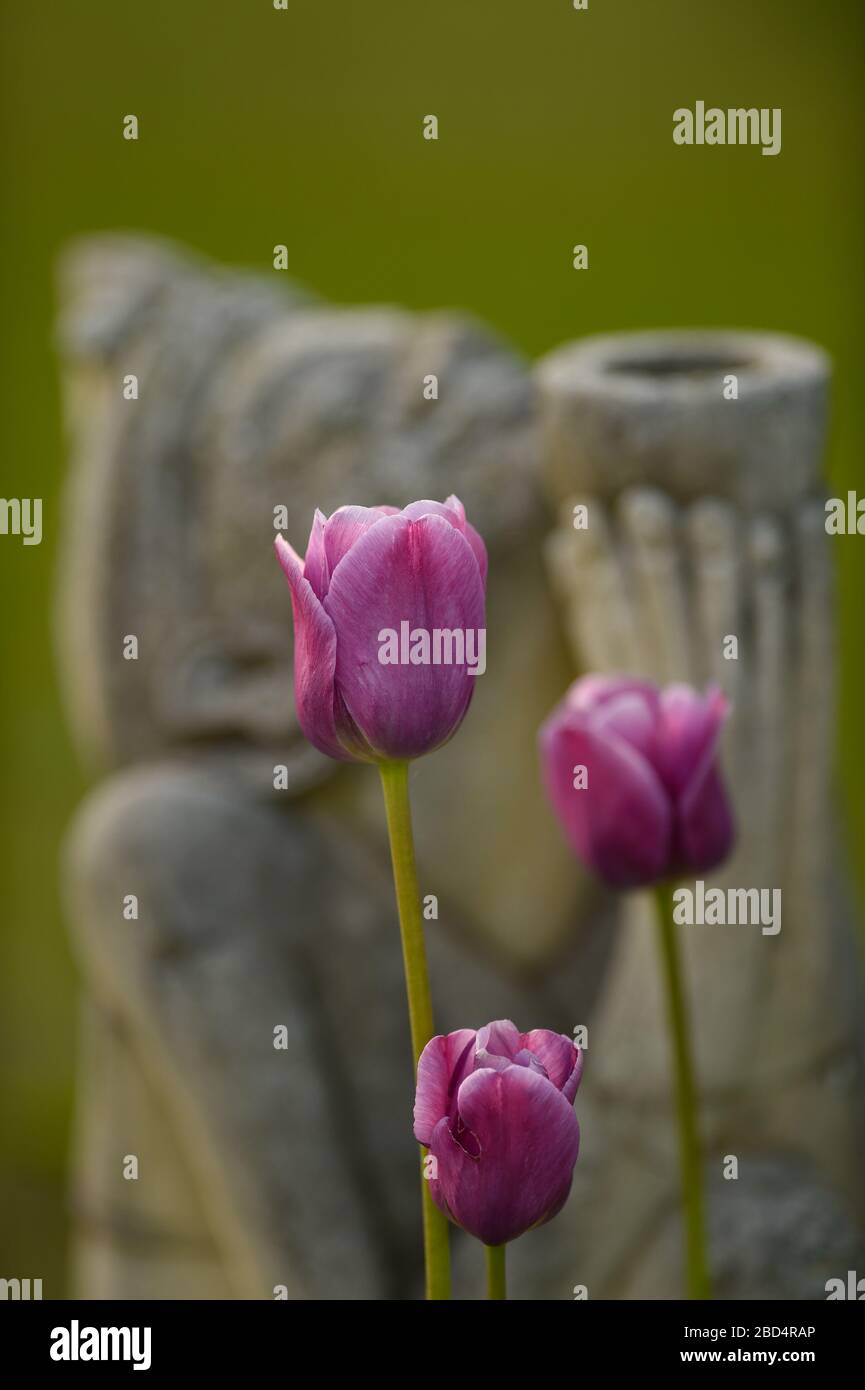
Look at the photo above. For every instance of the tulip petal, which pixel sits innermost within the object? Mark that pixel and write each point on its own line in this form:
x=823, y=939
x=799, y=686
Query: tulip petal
x=500, y=1045
x=500, y=1039
x=594, y=692
x=452, y=510
x=688, y=731
x=704, y=820
x=424, y=573
x=527, y=1139
x=344, y=528
x=479, y=550
x=572, y=1085
x=314, y=658
x=561, y=1059
x=633, y=718
x=470, y=534
x=415, y=510
x=620, y=824
x=442, y=1067
x=315, y=566
x=690, y=726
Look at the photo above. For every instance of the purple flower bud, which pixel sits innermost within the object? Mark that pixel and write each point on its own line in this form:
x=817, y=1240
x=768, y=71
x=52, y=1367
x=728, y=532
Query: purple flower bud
x=496, y=1111
x=632, y=775
x=389, y=632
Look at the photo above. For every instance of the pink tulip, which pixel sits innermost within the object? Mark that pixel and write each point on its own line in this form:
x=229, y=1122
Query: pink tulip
x=496, y=1110
x=653, y=804
x=385, y=604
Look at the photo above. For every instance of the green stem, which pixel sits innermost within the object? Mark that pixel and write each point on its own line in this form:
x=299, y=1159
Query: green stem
x=696, y=1265
x=497, y=1283
x=394, y=781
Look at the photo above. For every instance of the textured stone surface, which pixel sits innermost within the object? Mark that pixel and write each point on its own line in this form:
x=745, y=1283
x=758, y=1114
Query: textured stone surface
x=260, y=908
x=660, y=577
x=250, y=399
x=633, y=408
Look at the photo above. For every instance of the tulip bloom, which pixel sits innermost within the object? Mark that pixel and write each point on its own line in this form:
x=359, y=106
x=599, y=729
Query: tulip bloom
x=496, y=1110
x=388, y=607
x=651, y=803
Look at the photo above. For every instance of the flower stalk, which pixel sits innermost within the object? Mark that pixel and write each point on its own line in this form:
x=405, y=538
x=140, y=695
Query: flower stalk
x=497, y=1283
x=394, y=781
x=690, y=1159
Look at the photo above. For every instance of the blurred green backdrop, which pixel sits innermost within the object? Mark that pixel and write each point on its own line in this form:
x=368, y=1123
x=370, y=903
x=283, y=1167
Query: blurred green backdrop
x=303, y=126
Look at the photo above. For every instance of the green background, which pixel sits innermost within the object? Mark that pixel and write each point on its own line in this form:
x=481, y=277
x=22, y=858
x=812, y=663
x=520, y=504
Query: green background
x=261, y=126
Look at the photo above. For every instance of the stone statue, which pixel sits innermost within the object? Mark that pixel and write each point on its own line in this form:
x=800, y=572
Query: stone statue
x=245, y=1096
x=729, y=541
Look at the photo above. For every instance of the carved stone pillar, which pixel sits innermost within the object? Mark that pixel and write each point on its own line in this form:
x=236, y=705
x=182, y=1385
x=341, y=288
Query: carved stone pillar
x=697, y=456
